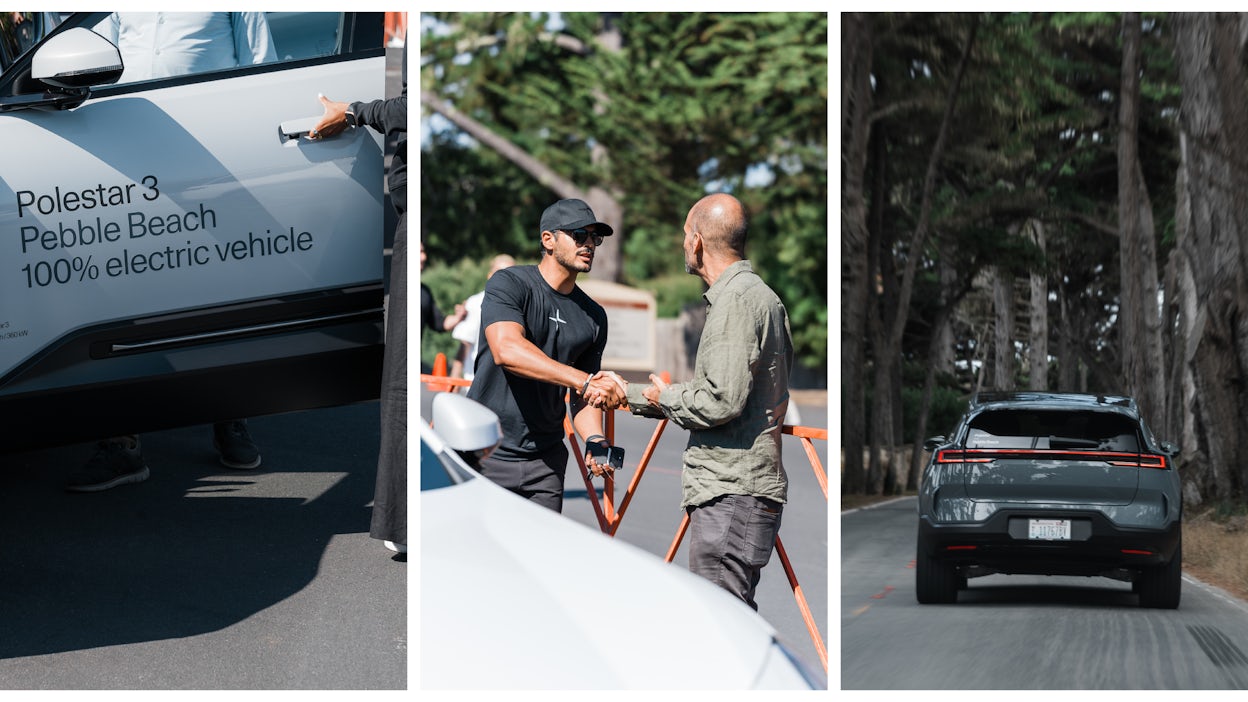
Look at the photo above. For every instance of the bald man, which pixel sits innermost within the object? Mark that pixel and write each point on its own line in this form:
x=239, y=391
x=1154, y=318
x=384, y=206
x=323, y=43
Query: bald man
x=733, y=483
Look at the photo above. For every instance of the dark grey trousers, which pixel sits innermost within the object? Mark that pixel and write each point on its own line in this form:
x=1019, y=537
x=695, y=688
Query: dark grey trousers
x=731, y=539
x=390, y=496
x=539, y=480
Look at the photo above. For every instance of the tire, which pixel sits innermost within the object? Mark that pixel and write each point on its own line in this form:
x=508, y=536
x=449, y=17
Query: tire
x=935, y=582
x=1161, y=587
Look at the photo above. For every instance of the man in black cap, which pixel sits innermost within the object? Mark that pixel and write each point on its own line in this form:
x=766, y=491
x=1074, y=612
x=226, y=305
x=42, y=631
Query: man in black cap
x=543, y=336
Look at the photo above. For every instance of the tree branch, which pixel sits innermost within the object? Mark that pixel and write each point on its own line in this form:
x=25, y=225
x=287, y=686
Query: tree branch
x=544, y=174
x=929, y=187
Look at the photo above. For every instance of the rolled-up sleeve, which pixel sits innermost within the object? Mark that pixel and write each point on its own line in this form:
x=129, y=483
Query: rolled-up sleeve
x=721, y=386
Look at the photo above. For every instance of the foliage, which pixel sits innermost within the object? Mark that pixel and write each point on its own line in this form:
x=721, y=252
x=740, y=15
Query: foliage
x=689, y=103
x=475, y=204
x=1033, y=140
x=948, y=403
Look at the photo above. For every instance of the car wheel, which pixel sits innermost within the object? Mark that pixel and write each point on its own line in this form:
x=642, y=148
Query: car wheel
x=1161, y=587
x=935, y=582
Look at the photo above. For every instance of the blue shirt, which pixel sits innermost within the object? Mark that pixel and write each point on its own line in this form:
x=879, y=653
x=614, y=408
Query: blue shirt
x=160, y=44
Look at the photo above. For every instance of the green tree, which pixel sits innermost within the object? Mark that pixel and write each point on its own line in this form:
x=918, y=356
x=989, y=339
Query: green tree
x=642, y=113
x=1032, y=147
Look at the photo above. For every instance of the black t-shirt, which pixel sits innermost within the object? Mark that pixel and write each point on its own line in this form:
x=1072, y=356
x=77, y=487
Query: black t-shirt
x=571, y=329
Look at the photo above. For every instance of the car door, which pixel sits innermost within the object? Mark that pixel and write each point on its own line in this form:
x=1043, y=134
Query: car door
x=165, y=237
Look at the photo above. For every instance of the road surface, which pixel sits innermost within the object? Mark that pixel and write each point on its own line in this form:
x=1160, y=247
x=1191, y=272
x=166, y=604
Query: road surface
x=1021, y=632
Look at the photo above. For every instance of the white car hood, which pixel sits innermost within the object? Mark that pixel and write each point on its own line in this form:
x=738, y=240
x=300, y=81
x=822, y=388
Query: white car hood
x=513, y=595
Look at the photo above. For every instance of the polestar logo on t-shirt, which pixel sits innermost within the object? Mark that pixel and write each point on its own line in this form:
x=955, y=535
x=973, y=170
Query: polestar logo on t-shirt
x=558, y=318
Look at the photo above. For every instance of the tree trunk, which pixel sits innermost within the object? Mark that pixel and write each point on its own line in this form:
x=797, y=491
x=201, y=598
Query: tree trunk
x=1213, y=138
x=1038, y=319
x=887, y=343
x=1003, y=328
x=855, y=137
x=1138, y=317
x=1067, y=358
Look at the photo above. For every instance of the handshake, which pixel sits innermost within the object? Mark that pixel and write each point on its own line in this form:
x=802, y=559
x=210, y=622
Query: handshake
x=604, y=390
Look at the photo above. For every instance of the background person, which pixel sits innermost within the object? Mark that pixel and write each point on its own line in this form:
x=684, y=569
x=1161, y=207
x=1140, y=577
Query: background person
x=733, y=482
x=389, y=521
x=468, y=332
x=162, y=44
x=430, y=316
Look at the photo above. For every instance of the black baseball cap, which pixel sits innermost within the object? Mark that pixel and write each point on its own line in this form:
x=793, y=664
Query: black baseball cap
x=572, y=214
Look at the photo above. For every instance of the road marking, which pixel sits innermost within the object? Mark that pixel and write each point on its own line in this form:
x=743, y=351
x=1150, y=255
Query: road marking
x=882, y=595
x=877, y=504
x=860, y=610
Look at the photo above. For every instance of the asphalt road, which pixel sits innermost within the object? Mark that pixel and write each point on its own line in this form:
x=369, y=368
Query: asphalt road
x=203, y=577
x=1022, y=632
x=653, y=517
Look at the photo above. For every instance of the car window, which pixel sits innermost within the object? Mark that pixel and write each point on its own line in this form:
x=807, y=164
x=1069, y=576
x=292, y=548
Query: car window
x=439, y=470
x=1057, y=430
x=157, y=45
x=21, y=30
x=301, y=35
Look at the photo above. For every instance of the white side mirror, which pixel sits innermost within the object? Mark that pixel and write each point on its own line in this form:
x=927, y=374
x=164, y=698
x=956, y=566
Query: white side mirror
x=77, y=58
x=466, y=425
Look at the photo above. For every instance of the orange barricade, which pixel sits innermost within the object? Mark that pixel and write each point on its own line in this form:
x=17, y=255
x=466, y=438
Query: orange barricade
x=396, y=28
x=609, y=518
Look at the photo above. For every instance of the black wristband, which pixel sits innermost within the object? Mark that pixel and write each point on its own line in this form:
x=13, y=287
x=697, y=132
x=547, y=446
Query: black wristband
x=596, y=437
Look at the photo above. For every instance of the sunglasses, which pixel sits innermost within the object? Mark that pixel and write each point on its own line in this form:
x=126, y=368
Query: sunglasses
x=581, y=235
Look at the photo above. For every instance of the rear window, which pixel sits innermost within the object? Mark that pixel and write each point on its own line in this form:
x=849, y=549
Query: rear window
x=1051, y=429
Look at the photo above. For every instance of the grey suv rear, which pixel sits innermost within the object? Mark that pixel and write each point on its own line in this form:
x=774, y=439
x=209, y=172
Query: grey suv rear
x=1050, y=484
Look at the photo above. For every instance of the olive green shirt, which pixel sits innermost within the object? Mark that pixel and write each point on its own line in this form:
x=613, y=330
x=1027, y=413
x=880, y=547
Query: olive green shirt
x=734, y=406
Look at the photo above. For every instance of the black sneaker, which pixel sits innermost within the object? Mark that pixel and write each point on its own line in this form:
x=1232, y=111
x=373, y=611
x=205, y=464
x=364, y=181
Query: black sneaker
x=116, y=462
x=234, y=444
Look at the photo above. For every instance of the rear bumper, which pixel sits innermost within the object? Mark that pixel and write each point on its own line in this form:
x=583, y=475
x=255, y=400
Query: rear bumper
x=1097, y=545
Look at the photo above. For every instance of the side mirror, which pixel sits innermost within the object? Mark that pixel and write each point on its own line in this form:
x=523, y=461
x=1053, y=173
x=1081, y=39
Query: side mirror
x=467, y=425
x=1170, y=448
x=75, y=59
x=933, y=442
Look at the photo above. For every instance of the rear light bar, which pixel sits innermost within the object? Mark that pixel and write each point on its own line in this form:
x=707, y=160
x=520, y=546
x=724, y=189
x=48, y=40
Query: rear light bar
x=1116, y=458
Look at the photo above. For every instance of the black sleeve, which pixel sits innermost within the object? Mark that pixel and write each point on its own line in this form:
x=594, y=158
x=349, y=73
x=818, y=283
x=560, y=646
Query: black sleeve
x=385, y=116
x=505, y=300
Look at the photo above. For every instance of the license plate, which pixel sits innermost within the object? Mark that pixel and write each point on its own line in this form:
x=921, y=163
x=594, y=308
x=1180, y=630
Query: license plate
x=1048, y=529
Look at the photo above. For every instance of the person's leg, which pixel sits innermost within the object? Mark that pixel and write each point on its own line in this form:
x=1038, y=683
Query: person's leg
x=234, y=445
x=731, y=539
x=389, y=521
x=543, y=479
x=116, y=461
x=539, y=480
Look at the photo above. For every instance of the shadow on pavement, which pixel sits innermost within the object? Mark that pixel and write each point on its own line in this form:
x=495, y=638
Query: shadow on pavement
x=1064, y=596
x=194, y=549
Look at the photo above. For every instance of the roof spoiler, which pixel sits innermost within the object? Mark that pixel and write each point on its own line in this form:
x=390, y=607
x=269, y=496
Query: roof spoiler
x=987, y=396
